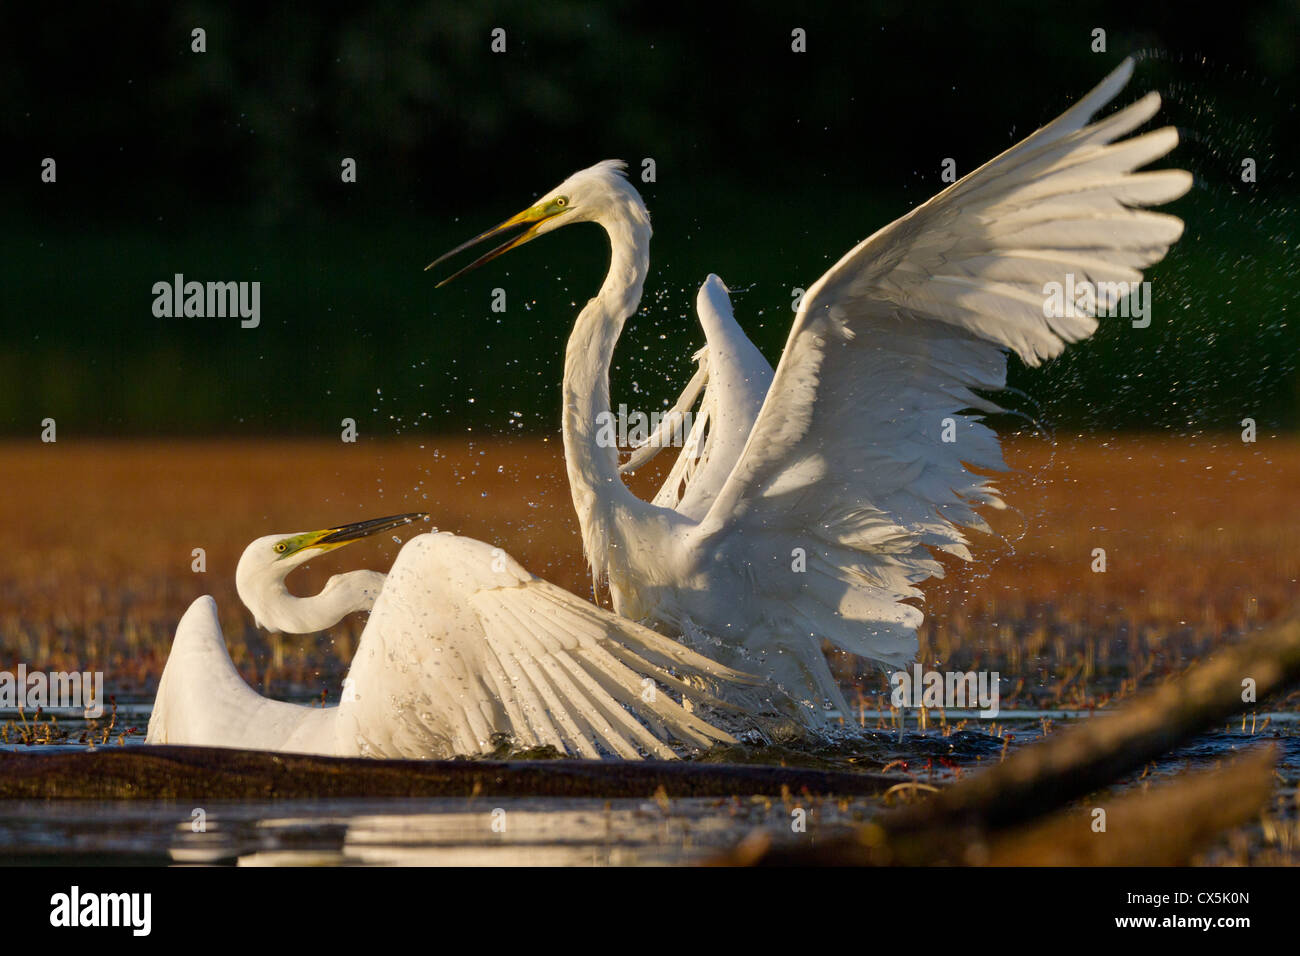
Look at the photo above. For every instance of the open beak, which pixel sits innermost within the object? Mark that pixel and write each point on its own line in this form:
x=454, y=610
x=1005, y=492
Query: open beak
x=532, y=217
x=331, y=538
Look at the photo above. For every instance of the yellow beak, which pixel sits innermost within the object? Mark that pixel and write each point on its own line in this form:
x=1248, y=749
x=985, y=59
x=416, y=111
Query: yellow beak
x=533, y=217
x=330, y=538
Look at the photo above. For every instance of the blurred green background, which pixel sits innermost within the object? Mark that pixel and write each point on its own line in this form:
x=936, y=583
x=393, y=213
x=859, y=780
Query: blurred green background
x=225, y=165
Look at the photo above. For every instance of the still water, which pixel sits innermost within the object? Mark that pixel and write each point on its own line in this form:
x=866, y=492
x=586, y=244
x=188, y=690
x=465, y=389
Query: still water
x=497, y=831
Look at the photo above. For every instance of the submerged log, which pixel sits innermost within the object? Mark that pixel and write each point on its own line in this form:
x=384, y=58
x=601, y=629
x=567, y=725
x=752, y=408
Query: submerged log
x=166, y=772
x=1095, y=752
x=1165, y=825
x=1072, y=763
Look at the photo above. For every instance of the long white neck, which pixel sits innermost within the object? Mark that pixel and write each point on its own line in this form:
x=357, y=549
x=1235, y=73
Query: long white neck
x=594, y=481
x=278, y=610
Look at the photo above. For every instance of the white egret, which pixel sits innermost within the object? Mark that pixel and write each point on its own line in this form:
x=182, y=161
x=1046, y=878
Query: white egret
x=830, y=513
x=462, y=644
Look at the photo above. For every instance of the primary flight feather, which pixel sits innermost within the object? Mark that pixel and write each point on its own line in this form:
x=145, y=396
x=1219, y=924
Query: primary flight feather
x=813, y=511
x=463, y=647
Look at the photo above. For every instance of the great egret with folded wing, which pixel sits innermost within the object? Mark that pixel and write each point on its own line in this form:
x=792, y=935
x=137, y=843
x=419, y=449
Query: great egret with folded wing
x=462, y=645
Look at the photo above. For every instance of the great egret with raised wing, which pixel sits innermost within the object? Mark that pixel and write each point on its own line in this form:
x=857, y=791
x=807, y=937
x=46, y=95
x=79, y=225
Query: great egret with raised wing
x=462, y=645
x=844, y=485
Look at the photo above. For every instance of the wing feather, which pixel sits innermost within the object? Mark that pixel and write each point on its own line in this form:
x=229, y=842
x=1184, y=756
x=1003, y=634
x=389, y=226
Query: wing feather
x=730, y=383
x=867, y=449
x=573, y=675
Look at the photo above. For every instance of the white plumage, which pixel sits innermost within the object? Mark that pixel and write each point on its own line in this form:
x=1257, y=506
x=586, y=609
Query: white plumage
x=734, y=378
x=844, y=463
x=462, y=644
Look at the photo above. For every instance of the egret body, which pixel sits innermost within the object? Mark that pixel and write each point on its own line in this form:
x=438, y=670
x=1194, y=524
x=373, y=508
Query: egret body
x=839, y=456
x=462, y=645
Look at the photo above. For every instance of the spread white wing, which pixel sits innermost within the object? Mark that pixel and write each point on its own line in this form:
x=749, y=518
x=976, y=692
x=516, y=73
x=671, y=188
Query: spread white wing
x=847, y=459
x=464, y=644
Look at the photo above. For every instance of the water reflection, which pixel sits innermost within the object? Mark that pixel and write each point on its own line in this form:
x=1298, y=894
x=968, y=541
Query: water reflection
x=537, y=831
x=414, y=832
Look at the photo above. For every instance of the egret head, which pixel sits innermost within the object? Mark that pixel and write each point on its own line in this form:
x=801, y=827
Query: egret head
x=259, y=577
x=587, y=196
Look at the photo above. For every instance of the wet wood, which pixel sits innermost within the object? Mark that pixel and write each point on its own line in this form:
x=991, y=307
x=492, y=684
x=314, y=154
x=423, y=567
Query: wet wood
x=1164, y=826
x=164, y=773
x=975, y=814
x=1095, y=752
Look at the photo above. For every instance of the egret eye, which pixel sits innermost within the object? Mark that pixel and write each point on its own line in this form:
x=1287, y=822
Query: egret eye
x=282, y=547
x=561, y=201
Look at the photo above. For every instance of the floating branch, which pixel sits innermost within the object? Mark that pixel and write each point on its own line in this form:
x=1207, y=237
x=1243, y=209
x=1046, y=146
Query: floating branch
x=163, y=773
x=1086, y=757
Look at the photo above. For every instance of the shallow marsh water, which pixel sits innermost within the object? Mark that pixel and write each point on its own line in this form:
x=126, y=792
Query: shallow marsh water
x=584, y=832
x=1199, y=524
